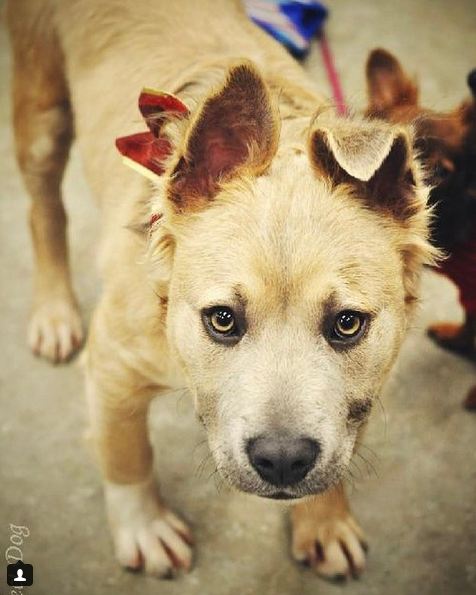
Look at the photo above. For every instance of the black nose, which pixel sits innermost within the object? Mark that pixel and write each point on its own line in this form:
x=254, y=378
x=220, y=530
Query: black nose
x=282, y=460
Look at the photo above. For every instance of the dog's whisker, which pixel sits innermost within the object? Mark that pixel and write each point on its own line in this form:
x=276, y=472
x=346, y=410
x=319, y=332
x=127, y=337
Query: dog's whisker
x=384, y=414
x=354, y=464
x=370, y=450
x=202, y=465
x=370, y=466
x=350, y=479
x=199, y=444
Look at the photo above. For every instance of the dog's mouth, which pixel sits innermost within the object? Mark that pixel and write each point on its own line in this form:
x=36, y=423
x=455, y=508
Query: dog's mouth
x=281, y=495
x=285, y=493
x=240, y=474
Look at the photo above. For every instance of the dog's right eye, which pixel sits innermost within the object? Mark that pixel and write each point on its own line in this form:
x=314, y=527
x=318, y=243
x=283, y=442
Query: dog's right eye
x=348, y=326
x=221, y=324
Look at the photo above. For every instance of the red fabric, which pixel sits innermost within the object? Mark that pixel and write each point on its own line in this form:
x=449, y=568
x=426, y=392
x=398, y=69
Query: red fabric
x=151, y=103
x=460, y=267
x=149, y=149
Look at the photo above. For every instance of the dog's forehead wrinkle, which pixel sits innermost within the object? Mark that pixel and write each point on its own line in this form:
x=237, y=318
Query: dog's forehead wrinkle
x=288, y=242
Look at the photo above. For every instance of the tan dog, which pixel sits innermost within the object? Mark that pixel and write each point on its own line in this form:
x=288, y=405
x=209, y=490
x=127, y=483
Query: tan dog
x=278, y=282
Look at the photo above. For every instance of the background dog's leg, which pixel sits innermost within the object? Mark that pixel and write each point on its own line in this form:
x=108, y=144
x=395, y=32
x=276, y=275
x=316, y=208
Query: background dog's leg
x=145, y=533
x=458, y=338
x=326, y=536
x=43, y=132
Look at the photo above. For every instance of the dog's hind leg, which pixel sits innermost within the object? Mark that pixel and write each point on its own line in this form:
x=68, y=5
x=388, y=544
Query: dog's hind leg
x=326, y=536
x=43, y=129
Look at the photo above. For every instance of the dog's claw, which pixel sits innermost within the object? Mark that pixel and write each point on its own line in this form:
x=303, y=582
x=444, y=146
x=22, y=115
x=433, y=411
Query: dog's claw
x=334, y=549
x=55, y=331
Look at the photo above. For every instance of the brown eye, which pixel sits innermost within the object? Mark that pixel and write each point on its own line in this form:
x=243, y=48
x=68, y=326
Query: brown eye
x=222, y=320
x=348, y=325
x=223, y=325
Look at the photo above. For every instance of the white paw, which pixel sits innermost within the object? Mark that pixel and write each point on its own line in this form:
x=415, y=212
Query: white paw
x=334, y=548
x=55, y=331
x=146, y=535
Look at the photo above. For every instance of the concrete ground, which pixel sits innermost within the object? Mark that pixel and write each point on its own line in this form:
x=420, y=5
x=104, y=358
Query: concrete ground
x=416, y=497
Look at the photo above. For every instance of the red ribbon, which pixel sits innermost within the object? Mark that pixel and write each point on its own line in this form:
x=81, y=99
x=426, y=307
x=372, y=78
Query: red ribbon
x=149, y=149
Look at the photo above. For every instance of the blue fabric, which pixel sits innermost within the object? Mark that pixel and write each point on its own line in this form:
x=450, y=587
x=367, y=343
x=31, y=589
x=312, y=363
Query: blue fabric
x=308, y=18
x=292, y=23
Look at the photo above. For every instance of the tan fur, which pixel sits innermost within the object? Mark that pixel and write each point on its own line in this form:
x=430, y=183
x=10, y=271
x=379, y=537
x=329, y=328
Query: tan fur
x=321, y=526
x=269, y=232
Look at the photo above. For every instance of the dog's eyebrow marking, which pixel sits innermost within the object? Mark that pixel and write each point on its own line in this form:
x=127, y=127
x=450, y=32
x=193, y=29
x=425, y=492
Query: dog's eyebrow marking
x=335, y=302
x=233, y=297
x=331, y=302
x=359, y=410
x=239, y=296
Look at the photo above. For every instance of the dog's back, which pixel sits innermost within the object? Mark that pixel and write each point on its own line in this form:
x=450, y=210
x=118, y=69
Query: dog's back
x=99, y=54
x=78, y=68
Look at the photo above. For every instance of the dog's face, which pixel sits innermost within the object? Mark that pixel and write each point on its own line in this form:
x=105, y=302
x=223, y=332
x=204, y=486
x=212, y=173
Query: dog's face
x=294, y=268
x=445, y=140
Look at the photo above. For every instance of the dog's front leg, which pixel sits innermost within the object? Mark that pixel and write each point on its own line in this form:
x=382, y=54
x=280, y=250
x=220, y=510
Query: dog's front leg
x=145, y=533
x=326, y=536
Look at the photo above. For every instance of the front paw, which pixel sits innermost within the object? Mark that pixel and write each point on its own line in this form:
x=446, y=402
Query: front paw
x=55, y=331
x=146, y=535
x=333, y=547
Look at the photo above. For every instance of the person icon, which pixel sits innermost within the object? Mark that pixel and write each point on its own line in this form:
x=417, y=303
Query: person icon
x=20, y=578
x=19, y=575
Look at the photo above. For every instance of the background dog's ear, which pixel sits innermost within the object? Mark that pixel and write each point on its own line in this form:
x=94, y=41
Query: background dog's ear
x=236, y=128
x=387, y=84
x=373, y=157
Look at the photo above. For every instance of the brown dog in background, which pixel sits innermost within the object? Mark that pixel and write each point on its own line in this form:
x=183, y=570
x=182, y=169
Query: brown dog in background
x=446, y=142
x=275, y=274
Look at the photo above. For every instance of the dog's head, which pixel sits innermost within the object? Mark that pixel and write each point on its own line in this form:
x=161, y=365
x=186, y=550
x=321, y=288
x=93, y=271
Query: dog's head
x=445, y=140
x=290, y=257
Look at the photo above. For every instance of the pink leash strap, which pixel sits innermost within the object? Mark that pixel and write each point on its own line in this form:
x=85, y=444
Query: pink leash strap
x=332, y=75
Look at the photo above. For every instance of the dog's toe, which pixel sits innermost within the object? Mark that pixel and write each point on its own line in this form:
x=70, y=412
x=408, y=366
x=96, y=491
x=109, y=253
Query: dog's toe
x=55, y=330
x=127, y=551
x=157, y=562
x=334, y=549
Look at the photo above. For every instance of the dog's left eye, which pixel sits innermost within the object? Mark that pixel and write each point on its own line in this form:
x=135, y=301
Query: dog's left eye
x=221, y=324
x=222, y=320
x=348, y=325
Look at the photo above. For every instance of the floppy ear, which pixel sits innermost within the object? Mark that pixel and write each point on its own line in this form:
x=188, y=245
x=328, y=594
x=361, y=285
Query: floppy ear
x=235, y=129
x=387, y=83
x=374, y=157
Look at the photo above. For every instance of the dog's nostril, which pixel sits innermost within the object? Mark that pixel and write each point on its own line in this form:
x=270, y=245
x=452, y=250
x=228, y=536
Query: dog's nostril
x=264, y=463
x=282, y=460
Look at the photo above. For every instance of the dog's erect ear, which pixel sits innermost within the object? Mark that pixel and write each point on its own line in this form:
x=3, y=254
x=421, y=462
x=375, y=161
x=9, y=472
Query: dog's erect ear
x=387, y=83
x=373, y=157
x=236, y=128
